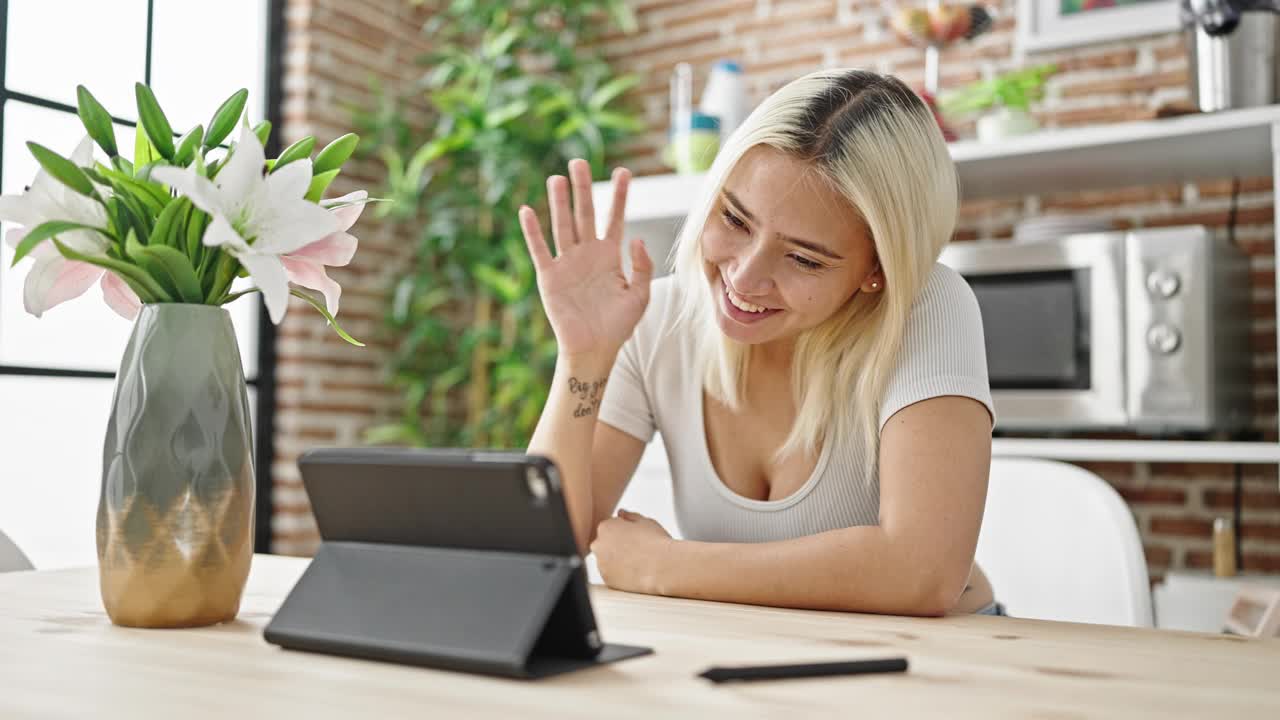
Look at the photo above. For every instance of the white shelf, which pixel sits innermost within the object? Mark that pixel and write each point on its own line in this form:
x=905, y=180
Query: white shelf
x=1248, y=453
x=1209, y=145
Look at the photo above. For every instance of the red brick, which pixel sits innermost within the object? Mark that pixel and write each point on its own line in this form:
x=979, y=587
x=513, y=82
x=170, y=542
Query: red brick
x=1128, y=84
x=1118, y=58
x=1222, y=188
x=1259, y=530
x=707, y=11
x=1250, y=561
x=1244, y=216
x=1182, y=526
x=802, y=63
x=1173, y=51
x=1158, y=555
x=317, y=433
x=1091, y=115
x=1250, y=499
x=780, y=19
x=1095, y=200
x=1154, y=495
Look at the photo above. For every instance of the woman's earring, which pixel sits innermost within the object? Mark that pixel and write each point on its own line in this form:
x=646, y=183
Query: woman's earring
x=875, y=285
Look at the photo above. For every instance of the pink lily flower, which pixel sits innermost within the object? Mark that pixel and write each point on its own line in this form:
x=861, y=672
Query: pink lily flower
x=306, y=265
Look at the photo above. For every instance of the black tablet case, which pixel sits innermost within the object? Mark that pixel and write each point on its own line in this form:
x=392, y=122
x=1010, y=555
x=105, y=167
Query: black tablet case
x=446, y=559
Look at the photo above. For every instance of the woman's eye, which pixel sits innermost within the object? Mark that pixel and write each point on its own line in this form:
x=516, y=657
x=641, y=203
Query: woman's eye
x=733, y=220
x=806, y=263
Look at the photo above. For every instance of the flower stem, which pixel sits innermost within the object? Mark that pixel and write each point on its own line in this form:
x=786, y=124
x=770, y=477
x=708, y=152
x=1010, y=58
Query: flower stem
x=225, y=275
x=237, y=295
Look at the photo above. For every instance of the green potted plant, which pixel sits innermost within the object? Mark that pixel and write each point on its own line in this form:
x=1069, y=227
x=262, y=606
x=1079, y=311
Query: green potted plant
x=513, y=91
x=1004, y=100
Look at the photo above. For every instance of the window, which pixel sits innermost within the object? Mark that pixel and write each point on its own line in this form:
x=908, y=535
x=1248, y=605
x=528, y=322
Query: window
x=56, y=372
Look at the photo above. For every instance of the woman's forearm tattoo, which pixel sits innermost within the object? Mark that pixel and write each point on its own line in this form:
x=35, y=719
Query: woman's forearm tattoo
x=588, y=394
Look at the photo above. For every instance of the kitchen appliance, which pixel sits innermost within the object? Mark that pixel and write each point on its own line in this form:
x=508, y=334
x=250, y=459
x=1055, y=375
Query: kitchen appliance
x=1143, y=330
x=1231, y=47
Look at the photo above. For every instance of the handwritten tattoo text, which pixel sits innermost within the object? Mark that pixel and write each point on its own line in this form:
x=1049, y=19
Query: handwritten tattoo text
x=588, y=394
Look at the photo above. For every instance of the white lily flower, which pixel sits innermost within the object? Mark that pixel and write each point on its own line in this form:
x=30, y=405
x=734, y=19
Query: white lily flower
x=54, y=279
x=257, y=218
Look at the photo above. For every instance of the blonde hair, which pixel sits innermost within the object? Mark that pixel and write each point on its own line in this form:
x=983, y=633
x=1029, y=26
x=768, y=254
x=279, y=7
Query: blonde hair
x=877, y=145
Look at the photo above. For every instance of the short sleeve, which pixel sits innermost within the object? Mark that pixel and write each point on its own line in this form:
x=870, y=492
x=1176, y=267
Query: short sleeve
x=943, y=351
x=626, y=404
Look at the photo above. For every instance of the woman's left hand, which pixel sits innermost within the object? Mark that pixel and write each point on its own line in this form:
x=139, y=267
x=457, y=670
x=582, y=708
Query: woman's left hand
x=630, y=549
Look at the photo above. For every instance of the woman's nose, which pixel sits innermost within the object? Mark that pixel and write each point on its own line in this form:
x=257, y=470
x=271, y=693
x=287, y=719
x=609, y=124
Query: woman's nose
x=753, y=273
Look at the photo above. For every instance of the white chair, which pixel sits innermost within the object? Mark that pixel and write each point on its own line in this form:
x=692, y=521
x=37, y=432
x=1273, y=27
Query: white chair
x=11, y=557
x=1059, y=543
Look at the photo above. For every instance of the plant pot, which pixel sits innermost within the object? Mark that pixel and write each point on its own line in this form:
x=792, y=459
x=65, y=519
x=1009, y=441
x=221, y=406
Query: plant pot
x=175, y=518
x=1005, y=122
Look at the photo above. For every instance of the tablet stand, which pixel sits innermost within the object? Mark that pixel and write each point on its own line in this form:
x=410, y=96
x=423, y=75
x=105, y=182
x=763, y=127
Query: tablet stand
x=500, y=613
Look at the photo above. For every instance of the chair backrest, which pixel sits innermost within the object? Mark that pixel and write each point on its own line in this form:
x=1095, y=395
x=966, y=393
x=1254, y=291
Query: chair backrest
x=11, y=557
x=1059, y=543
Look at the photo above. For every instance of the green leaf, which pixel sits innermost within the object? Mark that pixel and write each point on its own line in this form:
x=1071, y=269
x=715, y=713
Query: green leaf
x=559, y=101
x=122, y=164
x=225, y=119
x=96, y=120
x=391, y=434
x=176, y=269
x=498, y=46
x=62, y=170
x=506, y=113
x=623, y=16
x=186, y=151
x=195, y=232
x=151, y=196
x=570, y=126
x=612, y=89
x=319, y=184
x=121, y=268
x=297, y=151
x=320, y=306
x=144, y=153
x=335, y=154
x=133, y=249
x=164, y=226
x=618, y=121
x=152, y=118
x=263, y=131
x=504, y=286
x=43, y=232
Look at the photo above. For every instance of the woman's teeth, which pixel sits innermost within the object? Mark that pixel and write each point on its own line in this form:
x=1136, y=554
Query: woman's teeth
x=743, y=304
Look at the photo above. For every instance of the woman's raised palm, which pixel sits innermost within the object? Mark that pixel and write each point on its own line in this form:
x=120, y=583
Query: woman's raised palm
x=592, y=306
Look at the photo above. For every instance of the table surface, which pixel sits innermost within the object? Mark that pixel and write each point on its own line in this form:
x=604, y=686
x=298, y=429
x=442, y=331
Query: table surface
x=60, y=657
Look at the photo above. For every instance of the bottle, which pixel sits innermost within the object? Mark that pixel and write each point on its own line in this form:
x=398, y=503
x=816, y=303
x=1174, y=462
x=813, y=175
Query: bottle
x=725, y=96
x=694, y=145
x=1224, y=547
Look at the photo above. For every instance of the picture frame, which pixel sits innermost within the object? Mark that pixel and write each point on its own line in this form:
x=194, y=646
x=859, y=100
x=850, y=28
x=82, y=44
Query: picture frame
x=1054, y=24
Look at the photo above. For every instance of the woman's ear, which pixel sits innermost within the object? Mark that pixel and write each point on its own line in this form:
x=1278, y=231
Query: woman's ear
x=873, y=282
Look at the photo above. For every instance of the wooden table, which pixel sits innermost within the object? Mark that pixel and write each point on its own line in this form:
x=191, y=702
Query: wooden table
x=61, y=658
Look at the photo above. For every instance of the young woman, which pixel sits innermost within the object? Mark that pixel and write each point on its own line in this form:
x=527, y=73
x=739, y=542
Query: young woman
x=818, y=379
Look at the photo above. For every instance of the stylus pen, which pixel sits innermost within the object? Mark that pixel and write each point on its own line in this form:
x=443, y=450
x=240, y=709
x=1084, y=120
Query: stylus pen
x=775, y=672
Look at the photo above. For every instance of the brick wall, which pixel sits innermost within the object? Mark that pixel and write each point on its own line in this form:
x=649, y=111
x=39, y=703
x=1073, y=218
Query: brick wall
x=328, y=392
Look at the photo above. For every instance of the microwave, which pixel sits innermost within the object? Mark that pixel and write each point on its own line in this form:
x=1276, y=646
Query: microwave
x=1146, y=330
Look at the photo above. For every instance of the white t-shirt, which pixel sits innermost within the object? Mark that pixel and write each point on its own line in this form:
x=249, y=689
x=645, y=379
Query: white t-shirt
x=653, y=387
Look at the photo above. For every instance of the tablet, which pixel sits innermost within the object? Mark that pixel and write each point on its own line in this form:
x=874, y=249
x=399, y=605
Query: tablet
x=455, y=559
x=465, y=499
